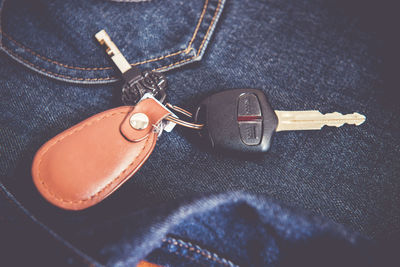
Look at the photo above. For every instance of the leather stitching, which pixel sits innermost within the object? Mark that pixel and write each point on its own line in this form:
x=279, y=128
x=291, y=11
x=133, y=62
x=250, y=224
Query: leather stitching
x=187, y=50
x=53, y=195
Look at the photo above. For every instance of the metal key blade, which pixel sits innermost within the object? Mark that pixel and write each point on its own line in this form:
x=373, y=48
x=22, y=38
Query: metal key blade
x=112, y=50
x=314, y=120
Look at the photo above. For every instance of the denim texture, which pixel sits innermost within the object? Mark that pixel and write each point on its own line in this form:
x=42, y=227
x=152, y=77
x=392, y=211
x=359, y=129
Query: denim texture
x=72, y=55
x=316, y=54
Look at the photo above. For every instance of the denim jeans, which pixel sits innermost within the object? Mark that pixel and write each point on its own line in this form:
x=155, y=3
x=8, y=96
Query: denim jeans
x=303, y=203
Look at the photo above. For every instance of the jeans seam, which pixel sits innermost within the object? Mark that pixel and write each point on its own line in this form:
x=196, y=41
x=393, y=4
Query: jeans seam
x=198, y=250
x=36, y=67
x=202, y=43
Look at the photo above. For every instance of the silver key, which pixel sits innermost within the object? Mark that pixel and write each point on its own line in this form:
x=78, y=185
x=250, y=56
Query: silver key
x=314, y=120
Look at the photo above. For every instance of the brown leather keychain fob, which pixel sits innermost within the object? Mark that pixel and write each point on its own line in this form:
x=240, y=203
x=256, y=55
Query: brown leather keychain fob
x=81, y=166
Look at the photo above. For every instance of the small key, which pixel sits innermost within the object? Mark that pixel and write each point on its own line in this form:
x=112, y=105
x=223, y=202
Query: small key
x=243, y=120
x=136, y=83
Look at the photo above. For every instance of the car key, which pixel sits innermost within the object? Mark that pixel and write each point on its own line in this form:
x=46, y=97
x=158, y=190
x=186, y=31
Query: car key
x=136, y=83
x=243, y=120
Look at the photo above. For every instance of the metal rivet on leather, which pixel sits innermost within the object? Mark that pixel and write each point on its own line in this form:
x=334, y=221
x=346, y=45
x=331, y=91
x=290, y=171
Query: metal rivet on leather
x=139, y=121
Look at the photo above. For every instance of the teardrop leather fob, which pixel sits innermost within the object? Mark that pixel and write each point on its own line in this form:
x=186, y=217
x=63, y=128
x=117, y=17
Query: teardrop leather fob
x=83, y=165
x=237, y=120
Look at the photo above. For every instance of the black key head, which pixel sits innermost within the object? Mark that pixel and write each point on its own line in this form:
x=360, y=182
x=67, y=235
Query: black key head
x=239, y=120
x=146, y=82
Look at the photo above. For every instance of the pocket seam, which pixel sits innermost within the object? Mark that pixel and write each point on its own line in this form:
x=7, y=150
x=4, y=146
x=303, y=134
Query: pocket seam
x=187, y=50
x=202, y=43
x=40, y=69
x=83, y=68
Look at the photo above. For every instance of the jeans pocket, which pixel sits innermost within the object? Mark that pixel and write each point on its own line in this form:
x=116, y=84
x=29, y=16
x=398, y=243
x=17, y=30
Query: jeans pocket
x=56, y=39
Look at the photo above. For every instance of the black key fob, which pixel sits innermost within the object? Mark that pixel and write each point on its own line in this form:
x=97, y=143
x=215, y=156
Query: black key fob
x=239, y=120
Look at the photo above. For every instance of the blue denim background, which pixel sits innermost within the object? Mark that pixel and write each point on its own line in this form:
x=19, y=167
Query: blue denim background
x=325, y=55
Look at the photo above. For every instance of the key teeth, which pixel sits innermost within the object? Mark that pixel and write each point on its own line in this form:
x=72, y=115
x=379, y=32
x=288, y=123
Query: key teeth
x=315, y=120
x=336, y=114
x=361, y=117
x=356, y=119
x=351, y=119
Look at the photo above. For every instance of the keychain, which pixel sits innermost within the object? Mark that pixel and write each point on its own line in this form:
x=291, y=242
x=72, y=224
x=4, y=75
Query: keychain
x=86, y=163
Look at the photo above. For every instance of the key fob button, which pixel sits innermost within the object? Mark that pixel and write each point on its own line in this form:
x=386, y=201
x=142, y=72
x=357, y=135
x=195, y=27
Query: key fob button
x=237, y=120
x=248, y=105
x=249, y=119
x=250, y=132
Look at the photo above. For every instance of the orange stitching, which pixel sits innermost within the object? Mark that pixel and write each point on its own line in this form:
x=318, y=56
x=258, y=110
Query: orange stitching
x=209, y=28
x=176, y=63
x=112, y=77
x=197, y=28
x=202, y=43
x=106, y=186
x=199, y=252
x=160, y=58
x=48, y=59
x=56, y=74
x=105, y=68
x=81, y=68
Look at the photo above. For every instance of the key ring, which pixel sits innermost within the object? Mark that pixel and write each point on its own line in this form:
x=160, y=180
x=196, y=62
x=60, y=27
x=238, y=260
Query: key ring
x=182, y=122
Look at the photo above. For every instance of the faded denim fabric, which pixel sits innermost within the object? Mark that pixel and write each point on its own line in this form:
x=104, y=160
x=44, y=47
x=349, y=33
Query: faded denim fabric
x=233, y=209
